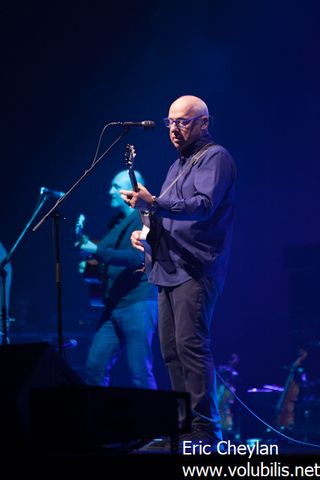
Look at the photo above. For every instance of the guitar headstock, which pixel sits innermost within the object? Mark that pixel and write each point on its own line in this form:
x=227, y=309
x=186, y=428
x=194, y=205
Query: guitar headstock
x=79, y=225
x=130, y=155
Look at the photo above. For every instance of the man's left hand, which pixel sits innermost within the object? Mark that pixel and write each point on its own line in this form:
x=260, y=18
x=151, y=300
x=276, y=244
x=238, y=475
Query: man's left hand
x=88, y=247
x=142, y=200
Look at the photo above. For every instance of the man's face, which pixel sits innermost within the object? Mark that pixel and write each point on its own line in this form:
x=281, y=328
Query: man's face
x=183, y=132
x=121, y=180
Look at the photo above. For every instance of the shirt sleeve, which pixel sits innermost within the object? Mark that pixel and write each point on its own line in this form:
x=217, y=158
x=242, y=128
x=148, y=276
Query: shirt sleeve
x=212, y=178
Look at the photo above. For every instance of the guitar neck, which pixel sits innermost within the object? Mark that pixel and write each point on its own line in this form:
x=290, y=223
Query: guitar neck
x=133, y=179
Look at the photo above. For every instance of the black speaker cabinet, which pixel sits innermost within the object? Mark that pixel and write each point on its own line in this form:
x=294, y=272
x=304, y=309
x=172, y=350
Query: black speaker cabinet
x=24, y=367
x=89, y=417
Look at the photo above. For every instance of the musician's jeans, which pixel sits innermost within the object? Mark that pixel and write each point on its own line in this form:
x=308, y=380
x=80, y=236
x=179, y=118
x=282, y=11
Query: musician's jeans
x=131, y=329
x=185, y=317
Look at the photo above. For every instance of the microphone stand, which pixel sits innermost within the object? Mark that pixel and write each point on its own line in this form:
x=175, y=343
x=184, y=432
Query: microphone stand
x=54, y=213
x=3, y=272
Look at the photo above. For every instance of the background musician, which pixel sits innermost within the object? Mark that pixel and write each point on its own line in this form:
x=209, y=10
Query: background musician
x=129, y=318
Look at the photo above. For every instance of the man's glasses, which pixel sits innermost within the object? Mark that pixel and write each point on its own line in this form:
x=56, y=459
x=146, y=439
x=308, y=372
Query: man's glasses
x=179, y=122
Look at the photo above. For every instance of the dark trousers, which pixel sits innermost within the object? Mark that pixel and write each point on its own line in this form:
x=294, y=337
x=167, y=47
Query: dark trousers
x=185, y=317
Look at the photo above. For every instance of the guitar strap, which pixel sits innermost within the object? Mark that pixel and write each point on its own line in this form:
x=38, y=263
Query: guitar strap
x=193, y=160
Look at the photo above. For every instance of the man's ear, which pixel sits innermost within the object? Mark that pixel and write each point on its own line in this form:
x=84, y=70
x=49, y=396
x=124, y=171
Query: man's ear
x=205, y=122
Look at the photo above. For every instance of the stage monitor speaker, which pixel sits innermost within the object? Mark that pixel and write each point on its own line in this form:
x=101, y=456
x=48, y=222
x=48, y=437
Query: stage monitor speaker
x=24, y=367
x=90, y=417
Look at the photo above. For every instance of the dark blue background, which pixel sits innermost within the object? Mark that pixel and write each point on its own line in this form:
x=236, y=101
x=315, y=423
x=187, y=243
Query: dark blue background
x=69, y=68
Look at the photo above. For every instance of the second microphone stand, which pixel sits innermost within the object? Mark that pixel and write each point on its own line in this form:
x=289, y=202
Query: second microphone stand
x=3, y=272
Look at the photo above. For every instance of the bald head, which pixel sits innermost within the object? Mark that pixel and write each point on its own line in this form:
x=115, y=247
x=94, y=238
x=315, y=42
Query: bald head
x=188, y=121
x=122, y=181
x=190, y=104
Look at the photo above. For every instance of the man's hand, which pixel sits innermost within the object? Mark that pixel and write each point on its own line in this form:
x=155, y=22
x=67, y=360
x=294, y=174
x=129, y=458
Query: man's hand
x=82, y=267
x=142, y=200
x=135, y=240
x=88, y=247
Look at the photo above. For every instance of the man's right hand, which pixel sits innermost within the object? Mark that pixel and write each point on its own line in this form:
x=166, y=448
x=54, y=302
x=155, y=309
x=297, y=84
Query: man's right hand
x=82, y=267
x=135, y=240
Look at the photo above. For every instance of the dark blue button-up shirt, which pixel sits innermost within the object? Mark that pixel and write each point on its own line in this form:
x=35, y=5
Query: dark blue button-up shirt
x=197, y=218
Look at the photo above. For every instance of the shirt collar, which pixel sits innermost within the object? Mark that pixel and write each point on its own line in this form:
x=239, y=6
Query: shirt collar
x=194, y=147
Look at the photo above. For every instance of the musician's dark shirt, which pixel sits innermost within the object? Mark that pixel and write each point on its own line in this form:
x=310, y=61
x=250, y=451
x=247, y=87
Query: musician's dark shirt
x=126, y=281
x=197, y=217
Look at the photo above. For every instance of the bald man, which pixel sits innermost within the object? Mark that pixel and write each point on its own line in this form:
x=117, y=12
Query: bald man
x=191, y=230
x=129, y=319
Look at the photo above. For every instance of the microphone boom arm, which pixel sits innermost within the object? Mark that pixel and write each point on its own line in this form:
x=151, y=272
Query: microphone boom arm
x=83, y=176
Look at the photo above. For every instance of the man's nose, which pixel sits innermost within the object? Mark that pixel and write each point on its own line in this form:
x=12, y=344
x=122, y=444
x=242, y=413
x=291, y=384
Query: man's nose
x=173, y=127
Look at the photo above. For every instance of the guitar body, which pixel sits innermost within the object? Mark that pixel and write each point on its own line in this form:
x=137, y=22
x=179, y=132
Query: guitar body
x=145, y=219
x=95, y=274
x=96, y=294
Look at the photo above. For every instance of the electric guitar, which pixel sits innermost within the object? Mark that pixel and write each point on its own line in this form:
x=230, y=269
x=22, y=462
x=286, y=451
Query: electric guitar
x=94, y=272
x=130, y=155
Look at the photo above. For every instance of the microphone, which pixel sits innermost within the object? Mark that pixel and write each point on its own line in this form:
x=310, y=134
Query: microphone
x=50, y=193
x=70, y=343
x=146, y=124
